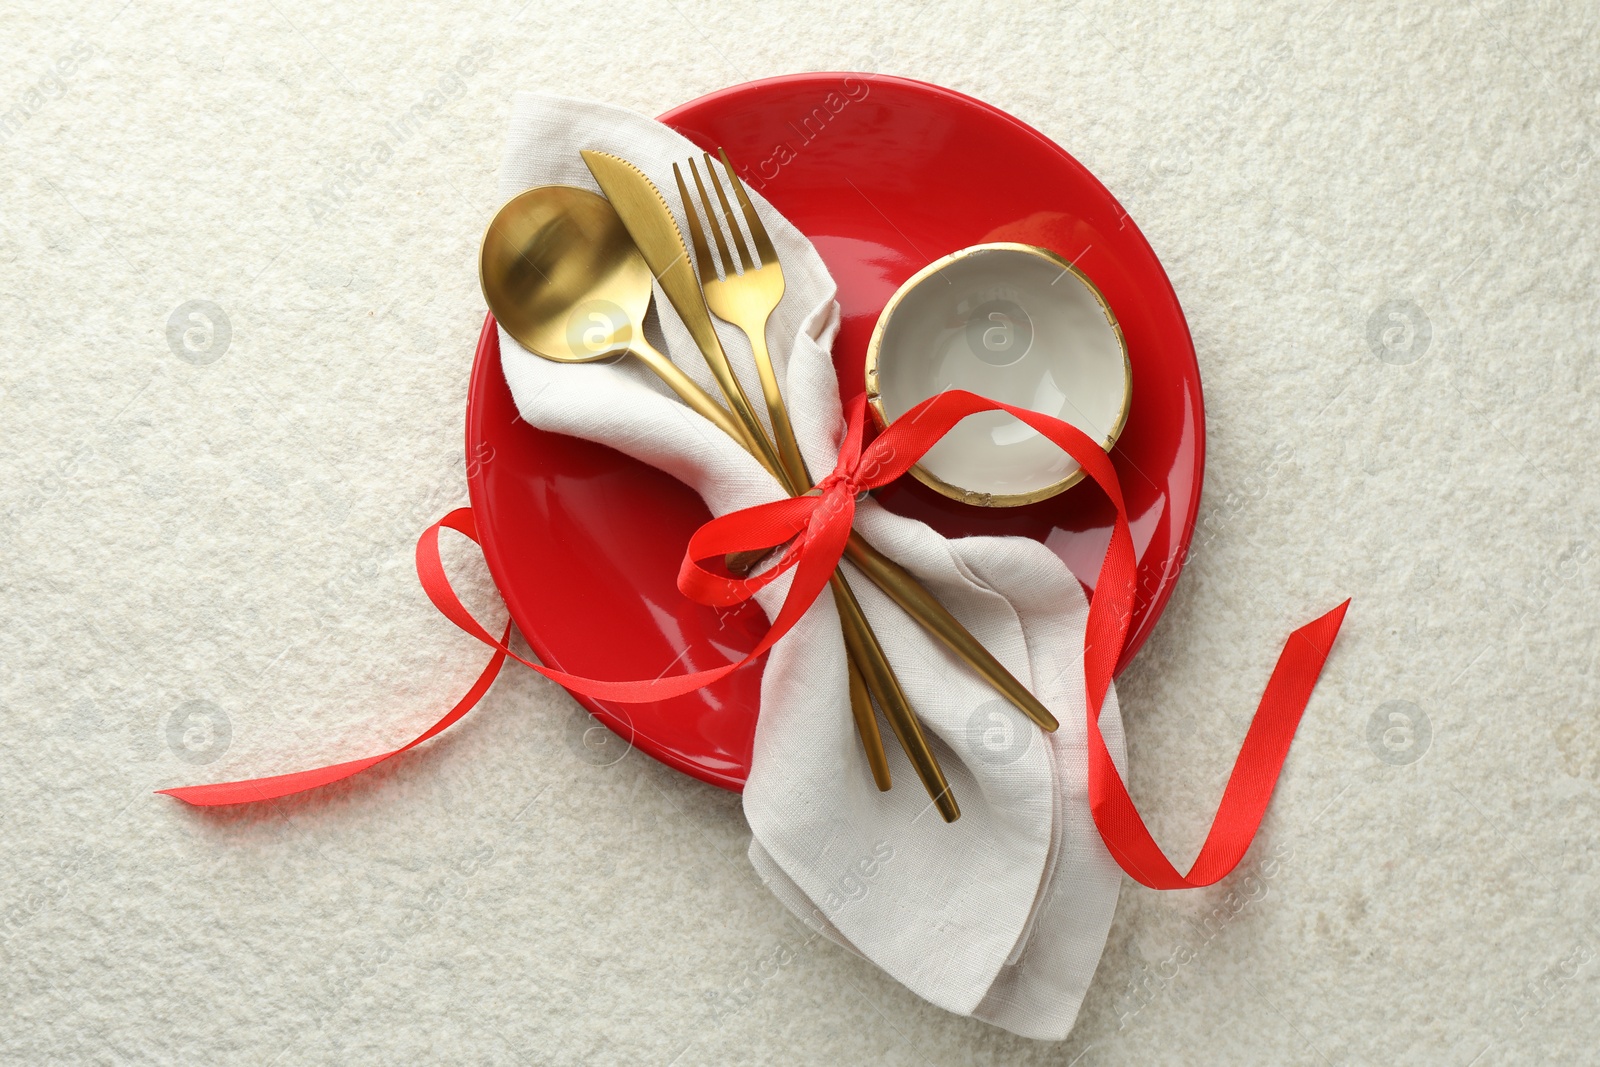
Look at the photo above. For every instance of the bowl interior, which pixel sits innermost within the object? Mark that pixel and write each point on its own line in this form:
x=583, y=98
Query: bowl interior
x=1011, y=323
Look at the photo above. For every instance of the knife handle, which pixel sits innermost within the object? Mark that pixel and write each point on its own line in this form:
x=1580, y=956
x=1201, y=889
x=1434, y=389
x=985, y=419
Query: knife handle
x=934, y=617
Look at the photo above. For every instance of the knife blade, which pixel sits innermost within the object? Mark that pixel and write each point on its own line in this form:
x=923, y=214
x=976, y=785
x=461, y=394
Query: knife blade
x=649, y=221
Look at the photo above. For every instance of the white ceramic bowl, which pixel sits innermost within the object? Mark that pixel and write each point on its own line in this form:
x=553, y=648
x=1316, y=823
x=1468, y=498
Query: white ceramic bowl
x=1014, y=323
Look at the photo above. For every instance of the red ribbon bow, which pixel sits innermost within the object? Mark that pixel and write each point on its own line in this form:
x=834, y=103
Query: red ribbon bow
x=816, y=527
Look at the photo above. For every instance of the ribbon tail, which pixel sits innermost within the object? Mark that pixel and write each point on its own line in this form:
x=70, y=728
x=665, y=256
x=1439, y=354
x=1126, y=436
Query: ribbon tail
x=248, y=790
x=1272, y=730
x=1255, y=773
x=436, y=585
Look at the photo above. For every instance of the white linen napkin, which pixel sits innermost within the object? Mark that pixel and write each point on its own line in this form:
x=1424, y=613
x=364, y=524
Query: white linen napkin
x=1001, y=915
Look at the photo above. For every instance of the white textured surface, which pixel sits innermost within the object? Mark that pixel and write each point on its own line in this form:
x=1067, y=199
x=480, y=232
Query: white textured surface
x=240, y=532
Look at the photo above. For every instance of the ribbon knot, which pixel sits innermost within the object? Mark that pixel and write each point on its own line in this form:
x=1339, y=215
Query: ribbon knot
x=847, y=482
x=816, y=527
x=851, y=472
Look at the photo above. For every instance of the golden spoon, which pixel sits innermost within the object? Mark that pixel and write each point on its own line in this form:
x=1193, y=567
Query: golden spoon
x=561, y=274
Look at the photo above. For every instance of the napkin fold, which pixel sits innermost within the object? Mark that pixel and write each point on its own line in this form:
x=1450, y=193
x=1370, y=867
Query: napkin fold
x=1001, y=915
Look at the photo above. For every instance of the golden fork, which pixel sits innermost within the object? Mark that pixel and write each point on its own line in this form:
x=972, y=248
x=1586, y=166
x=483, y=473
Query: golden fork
x=870, y=669
x=747, y=300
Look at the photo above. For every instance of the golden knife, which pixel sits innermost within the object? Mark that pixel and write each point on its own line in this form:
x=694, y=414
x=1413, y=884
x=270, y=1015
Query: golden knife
x=654, y=230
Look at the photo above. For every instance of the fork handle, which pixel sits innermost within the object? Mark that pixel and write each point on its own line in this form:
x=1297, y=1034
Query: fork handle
x=884, y=572
x=861, y=642
x=877, y=675
x=794, y=464
x=865, y=677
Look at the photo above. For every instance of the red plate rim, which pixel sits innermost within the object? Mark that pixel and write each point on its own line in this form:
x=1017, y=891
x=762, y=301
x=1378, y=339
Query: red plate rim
x=1176, y=558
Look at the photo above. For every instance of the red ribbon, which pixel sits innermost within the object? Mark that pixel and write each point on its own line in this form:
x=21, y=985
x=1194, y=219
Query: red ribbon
x=816, y=528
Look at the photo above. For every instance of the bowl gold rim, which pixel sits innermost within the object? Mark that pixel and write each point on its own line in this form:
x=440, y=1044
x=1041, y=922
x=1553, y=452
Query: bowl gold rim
x=933, y=481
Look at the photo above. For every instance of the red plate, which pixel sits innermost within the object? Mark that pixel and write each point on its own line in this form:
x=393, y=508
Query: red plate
x=885, y=175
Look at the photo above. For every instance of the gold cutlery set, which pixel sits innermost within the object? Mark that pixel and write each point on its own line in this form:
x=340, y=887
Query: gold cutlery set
x=558, y=251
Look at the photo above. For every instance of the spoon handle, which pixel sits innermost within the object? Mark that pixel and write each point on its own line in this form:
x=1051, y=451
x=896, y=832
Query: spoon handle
x=882, y=683
x=867, y=724
x=690, y=393
x=925, y=608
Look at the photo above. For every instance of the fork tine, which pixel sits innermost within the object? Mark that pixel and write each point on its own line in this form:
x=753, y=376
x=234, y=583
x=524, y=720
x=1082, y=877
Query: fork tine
x=758, y=232
x=727, y=215
x=702, y=254
x=714, y=223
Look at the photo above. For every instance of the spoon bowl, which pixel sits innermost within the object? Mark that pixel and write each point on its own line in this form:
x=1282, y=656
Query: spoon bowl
x=563, y=277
